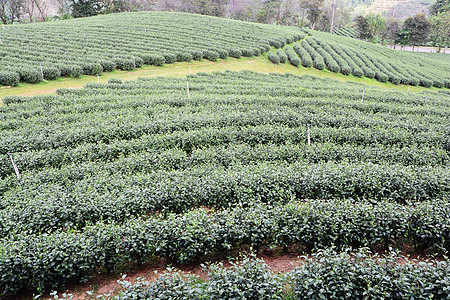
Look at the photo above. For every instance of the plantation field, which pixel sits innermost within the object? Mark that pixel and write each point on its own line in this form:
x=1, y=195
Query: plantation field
x=182, y=168
x=347, y=56
x=34, y=52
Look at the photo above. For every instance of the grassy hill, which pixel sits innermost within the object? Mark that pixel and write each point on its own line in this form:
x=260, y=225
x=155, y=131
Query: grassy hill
x=122, y=172
x=34, y=52
x=345, y=55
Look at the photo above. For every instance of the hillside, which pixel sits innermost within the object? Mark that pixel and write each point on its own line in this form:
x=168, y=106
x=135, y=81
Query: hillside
x=125, y=172
x=400, y=9
x=34, y=52
x=347, y=56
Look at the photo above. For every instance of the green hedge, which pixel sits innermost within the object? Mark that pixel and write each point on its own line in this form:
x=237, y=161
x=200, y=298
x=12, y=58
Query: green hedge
x=52, y=260
x=324, y=275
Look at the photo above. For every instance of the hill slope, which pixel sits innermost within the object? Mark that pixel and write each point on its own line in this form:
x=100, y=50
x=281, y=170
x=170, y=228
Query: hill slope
x=34, y=52
x=350, y=56
x=102, y=167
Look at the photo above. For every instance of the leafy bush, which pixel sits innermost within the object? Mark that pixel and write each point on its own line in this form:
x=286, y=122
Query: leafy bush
x=275, y=59
x=51, y=73
x=30, y=75
x=107, y=65
x=183, y=56
x=92, y=69
x=211, y=55
x=170, y=58
x=358, y=275
x=154, y=59
x=282, y=56
x=292, y=56
x=234, y=52
x=9, y=78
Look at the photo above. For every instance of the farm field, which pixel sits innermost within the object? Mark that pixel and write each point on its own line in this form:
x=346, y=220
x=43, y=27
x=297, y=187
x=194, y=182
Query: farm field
x=33, y=53
x=181, y=168
x=347, y=56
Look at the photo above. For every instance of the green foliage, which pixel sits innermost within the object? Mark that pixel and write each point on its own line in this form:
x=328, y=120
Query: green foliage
x=126, y=171
x=273, y=57
x=329, y=275
x=9, y=78
x=78, y=46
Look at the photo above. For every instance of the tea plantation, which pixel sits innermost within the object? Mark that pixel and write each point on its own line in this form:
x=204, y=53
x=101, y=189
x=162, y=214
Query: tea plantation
x=349, y=56
x=183, y=168
x=34, y=52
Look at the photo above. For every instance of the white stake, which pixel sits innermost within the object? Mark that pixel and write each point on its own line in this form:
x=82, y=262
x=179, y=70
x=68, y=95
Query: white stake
x=16, y=169
x=309, y=135
x=134, y=62
x=42, y=72
x=408, y=88
x=362, y=99
x=187, y=87
x=98, y=78
x=3, y=26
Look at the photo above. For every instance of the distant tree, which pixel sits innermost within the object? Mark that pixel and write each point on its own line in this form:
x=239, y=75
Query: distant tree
x=85, y=8
x=370, y=26
x=11, y=10
x=419, y=27
x=440, y=30
x=403, y=38
x=391, y=31
x=312, y=9
x=440, y=6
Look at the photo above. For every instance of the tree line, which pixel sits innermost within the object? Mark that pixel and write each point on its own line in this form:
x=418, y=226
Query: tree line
x=415, y=31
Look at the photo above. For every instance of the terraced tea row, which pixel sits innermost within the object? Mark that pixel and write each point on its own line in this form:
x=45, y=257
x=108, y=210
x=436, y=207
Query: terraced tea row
x=349, y=56
x=124, y=171
x=34, y=52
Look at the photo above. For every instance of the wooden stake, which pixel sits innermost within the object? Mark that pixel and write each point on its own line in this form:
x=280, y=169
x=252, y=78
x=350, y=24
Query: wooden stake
x=187, y=87
x=309, y=135
x=16, y=169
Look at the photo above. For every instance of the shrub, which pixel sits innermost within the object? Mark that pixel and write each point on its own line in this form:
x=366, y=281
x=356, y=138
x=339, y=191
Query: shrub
x=183, y=56
x=292, y=56
x=107, y=65
x=153, y=59
x=124, y=64
x=14, y=99
x=51, y=73
x=92, y=69
x=273, y=58
x=282, y=56
x=30, y=75
x=223, y=54
x=196, y=55
x=9, y=78
x=276, y=44
x=247, y=52
x=210, y=55
x=234, y=52
x=76, y=71
x=170, y=58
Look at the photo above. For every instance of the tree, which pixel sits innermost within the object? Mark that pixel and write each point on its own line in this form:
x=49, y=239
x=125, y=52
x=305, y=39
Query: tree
x=312, y=10
x=391, y=31
x=369, y=27
x=440, y=6
x=403, y=38
x=419, y=27
x=85, y=8
x=11, y=10
x=440, y=30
